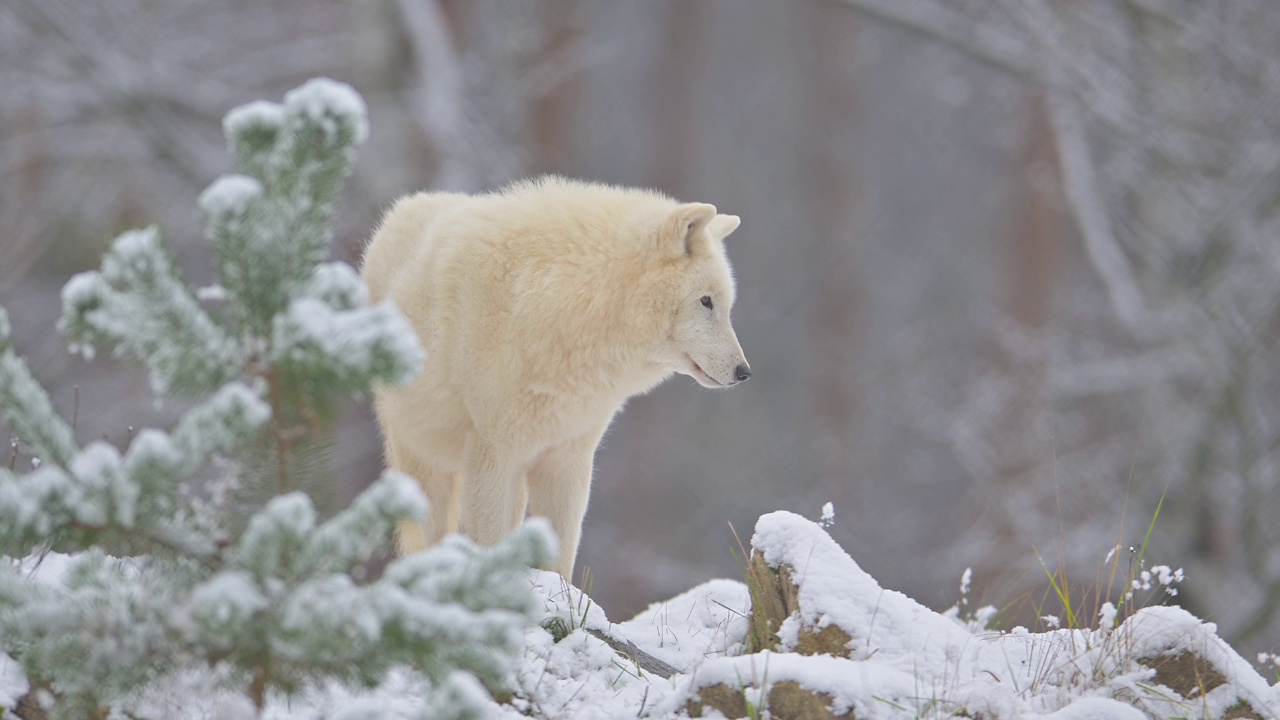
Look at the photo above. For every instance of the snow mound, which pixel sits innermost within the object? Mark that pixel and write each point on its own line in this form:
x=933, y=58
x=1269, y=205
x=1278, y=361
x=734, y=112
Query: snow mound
x=825, y=640
x=811, y=636
x=858, y=650
x=706, y=622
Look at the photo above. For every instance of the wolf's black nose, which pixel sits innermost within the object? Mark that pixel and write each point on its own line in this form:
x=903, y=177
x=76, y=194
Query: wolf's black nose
x=742, y=372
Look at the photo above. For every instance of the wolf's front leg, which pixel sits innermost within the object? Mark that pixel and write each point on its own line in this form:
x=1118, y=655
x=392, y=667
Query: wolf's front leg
x=559, y=483
x=491, y=491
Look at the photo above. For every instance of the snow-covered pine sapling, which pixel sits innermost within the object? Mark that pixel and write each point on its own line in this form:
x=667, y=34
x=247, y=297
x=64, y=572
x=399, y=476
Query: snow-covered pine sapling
x=163, y=579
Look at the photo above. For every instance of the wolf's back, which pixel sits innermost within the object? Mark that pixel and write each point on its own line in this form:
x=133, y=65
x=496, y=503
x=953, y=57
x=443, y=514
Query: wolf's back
x=403, y=230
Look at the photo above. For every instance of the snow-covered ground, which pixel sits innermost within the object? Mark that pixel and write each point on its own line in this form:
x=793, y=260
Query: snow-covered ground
x=886, y=656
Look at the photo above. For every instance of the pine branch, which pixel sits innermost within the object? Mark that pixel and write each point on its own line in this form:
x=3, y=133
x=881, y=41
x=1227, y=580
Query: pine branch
x=27, y=406
x=138, y=304
x=365, y=529
x=227, y=420
x=299, y=152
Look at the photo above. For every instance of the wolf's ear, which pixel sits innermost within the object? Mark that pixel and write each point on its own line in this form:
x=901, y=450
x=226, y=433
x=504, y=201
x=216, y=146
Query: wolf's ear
x=722, y=226
x=683, y=227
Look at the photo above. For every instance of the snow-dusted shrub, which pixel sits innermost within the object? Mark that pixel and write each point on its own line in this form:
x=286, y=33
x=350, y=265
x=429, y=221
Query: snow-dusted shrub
x=197, y=550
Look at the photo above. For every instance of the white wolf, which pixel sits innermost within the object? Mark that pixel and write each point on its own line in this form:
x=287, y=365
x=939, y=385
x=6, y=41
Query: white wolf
x=542, y=307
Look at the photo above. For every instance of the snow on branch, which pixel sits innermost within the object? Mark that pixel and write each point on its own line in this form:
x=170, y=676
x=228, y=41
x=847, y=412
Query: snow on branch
x=98, y=499
x=348, y=346
x=27, y=406
x=338, y=286
x=271, y=226
x=252, y=131
x=138, y=304
x=216, y=426
x=356, y=534
x=333, y=107
x=228, y=199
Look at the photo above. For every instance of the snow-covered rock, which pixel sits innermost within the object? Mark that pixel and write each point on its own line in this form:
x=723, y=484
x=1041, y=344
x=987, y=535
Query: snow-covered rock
x=858, y=650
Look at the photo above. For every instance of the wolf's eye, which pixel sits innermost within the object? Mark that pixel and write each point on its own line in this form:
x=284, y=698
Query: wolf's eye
x=706, y=302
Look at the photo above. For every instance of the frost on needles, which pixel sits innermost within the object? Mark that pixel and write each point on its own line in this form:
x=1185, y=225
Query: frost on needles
x=166, y=573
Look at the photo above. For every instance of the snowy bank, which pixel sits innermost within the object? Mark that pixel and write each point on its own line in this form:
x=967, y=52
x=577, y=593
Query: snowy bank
x=867, y=652
x=812, y=636
x=832, y=643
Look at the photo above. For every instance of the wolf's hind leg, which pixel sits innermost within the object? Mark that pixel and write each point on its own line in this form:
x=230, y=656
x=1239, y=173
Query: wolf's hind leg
x=441, y=489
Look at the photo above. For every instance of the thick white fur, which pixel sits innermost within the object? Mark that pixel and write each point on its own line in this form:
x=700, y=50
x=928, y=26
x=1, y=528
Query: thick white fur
x=542, y=308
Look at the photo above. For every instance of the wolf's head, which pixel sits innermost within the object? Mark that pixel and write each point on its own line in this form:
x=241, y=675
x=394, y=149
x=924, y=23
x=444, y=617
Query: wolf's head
x=699, y=294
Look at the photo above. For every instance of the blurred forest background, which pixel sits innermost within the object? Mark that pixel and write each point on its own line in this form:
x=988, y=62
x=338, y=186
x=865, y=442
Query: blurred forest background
x=1009, y=270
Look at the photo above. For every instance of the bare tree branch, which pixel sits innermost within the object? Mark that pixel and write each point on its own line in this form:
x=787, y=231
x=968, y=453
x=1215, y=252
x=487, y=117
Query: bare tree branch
x=979, y=42
x=473, y=106
x=1065, y=68
x=1079, y=175
x=440, y=89
x=1090, y=212
x=114, y=79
